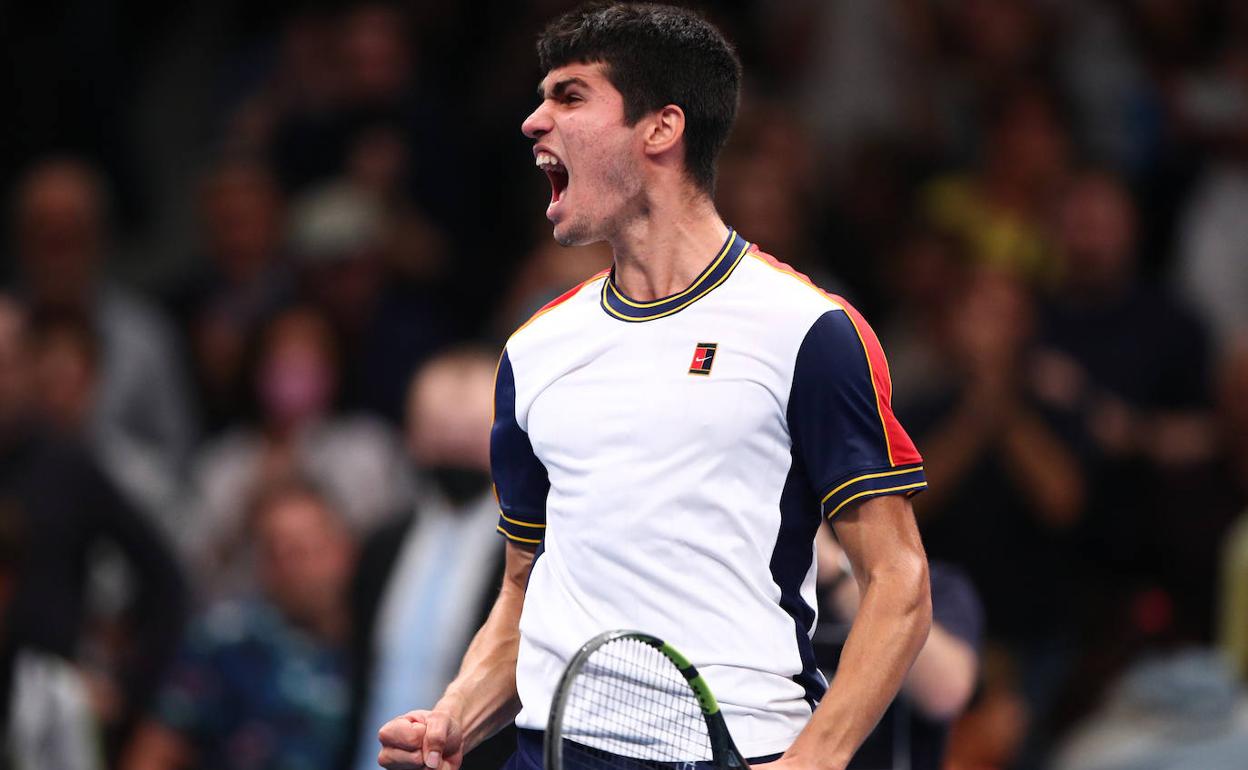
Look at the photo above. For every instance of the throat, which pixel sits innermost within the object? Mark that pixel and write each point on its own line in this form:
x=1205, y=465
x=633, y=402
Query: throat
x=661, y=265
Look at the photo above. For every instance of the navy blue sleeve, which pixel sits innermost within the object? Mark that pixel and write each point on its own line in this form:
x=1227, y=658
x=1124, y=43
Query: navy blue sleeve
x=841, y=418
x=520, y=480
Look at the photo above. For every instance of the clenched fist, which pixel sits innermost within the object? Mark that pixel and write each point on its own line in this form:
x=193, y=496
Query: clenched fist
x=421, y=739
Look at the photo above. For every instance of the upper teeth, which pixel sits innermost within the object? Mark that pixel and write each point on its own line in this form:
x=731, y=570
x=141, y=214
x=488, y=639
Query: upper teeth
x=546, y=160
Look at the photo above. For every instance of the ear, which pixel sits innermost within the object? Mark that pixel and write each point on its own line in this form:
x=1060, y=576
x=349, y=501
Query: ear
x=663, y=130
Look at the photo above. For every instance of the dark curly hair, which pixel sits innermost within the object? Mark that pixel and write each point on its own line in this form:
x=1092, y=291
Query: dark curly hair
x=656, y=55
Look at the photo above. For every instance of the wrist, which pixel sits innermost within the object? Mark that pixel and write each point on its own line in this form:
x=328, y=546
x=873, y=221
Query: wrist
x=796, y=757
x=452, y=704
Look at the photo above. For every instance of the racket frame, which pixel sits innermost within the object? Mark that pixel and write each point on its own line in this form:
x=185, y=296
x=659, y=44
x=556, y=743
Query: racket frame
x=724, y=753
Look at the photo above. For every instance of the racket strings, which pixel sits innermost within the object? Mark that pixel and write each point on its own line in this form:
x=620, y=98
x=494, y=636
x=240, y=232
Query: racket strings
x=630, y=708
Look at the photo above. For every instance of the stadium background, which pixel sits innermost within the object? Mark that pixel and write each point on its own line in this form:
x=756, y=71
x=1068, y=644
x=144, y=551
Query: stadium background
x=229, y=224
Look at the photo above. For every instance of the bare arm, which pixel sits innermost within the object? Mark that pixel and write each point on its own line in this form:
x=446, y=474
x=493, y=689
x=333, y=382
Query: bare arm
x=480, y=700
x=882, y=542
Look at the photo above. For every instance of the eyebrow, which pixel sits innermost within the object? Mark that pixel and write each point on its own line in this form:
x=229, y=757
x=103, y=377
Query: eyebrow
x=560, y=87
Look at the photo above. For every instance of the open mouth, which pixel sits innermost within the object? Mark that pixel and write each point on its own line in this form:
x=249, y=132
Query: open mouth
x=556, y=172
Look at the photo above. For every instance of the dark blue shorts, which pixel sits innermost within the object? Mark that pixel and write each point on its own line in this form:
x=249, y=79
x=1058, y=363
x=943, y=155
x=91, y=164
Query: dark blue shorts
x=528, y=756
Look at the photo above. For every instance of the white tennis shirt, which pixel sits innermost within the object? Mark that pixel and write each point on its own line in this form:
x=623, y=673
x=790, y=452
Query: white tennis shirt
x=672, y=461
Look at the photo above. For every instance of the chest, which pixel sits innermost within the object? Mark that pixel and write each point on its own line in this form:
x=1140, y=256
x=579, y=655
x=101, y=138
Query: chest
x=661, y=391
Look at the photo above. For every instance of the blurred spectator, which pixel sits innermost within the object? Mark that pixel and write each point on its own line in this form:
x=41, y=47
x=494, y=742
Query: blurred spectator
x=439, y=563
x=1131, y=363
x=66, y=350
x=999, y=209
x=338, y=76
x=47, y=719
x=66, y=369
x=1007, y=485
x=243, y=280
x=68, y=510
x=341, y=239
x=380, y=164
x=940, y=683
x=1107, y=330
x=61, y=228
x=297, y=432
x=261, y=682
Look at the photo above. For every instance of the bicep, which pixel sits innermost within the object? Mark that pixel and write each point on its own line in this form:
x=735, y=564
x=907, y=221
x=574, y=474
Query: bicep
x=879, y=534
x=844, y=432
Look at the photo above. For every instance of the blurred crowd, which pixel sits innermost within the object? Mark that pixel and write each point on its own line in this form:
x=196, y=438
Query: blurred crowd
x=259, y=260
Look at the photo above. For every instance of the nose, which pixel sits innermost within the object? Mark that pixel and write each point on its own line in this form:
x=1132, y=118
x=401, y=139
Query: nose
x=538, y=123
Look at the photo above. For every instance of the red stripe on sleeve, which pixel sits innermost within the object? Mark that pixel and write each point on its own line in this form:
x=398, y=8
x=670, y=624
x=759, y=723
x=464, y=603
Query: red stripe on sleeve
x=901, y=450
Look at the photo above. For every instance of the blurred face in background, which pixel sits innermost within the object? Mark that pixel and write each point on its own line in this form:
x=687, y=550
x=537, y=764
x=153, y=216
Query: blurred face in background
x=296, y=374
x=449, y=413
x=597, y=183
x=376, y=60
x=1028, y=144
x=65, y=376
x=15, y=363
x=1000, y=35
x=59, y=225
x=926, y=273
x=241, y=210
x=305, y=557
x=1096, y=230
x=991, y=323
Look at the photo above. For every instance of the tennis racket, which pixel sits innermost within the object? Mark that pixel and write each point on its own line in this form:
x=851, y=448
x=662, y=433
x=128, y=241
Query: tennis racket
x=630, y=701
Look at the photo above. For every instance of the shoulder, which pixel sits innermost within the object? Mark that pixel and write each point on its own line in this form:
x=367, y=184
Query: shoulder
x=795, y=298
x=558, y=315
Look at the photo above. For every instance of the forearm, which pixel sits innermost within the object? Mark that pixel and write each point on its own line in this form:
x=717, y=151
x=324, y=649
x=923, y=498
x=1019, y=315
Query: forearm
x=887, y=633
x=483, y=695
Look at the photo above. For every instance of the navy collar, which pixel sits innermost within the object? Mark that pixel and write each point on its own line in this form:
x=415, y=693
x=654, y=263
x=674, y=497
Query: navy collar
x=621, y=307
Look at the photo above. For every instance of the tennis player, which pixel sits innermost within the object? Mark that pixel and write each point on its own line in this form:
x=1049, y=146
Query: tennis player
x=670, y=434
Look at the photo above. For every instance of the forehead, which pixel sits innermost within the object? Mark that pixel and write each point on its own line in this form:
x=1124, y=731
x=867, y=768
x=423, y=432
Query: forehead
x=591, y=75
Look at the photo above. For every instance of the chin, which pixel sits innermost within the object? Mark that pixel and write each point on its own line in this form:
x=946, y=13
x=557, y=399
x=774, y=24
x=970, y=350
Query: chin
x=573, y=233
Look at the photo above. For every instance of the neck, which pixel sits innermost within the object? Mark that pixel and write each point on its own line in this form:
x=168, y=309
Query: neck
x=662, y=251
